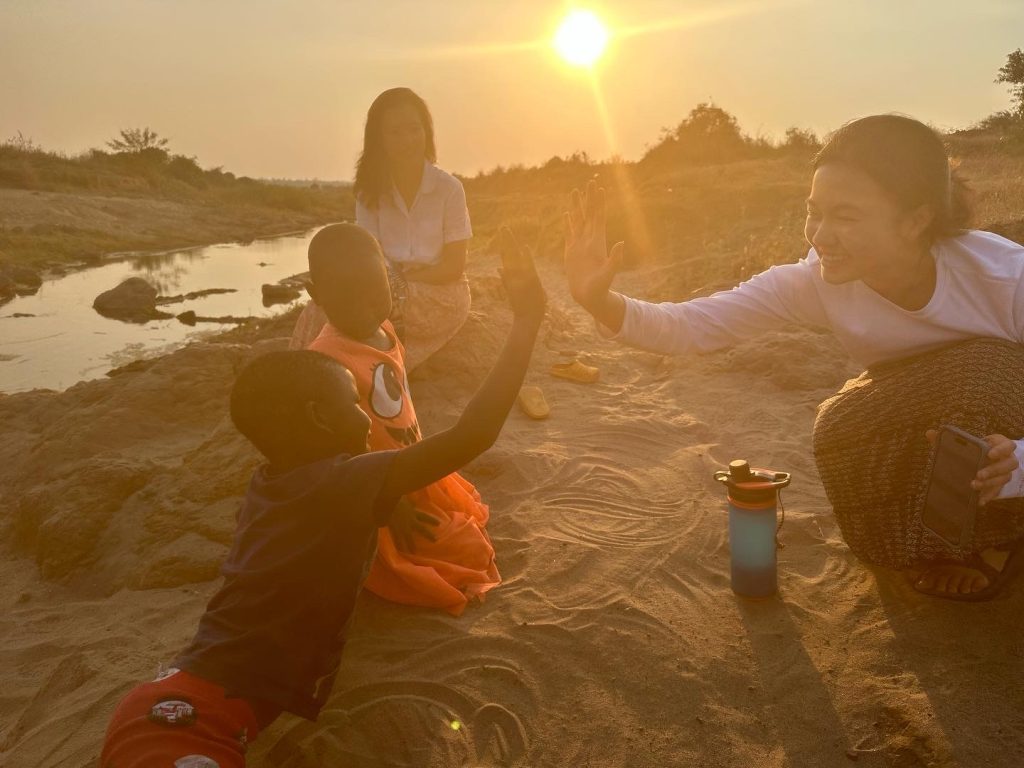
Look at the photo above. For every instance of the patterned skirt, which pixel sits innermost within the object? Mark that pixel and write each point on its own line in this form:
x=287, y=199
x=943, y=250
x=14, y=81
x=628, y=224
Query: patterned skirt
x=873, y=457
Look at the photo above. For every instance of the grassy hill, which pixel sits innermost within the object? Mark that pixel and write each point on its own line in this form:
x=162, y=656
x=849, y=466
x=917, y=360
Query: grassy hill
x=55, y=208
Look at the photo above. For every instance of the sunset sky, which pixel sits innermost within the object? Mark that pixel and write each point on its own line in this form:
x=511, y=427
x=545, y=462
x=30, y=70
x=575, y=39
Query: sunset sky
x=280, y=89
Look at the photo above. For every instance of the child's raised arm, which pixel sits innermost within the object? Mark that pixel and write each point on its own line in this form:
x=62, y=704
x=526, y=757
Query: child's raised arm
x=476, y=430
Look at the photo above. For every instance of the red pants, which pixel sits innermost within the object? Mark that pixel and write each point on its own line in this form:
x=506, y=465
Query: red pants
x=178, y=721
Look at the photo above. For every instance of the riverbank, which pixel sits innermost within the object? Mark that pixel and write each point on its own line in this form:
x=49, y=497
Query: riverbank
x=55, y=337
x=59, y=230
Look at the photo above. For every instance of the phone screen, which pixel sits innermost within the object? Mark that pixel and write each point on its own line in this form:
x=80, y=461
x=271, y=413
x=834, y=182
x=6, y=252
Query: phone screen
x=950, y=501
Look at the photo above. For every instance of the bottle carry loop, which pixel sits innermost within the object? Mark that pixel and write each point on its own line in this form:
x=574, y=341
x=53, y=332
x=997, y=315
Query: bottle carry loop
x=782, y=519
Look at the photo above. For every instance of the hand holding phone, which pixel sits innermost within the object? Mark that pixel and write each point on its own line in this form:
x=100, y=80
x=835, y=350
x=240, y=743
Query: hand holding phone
x=998, y=471
x=994, y=475
x=951, y=500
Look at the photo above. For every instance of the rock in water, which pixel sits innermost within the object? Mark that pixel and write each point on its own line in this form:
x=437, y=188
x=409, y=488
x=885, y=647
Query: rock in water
x=24, y=276
x=7, y=289
x=133, y=300
x=26, y=281
x=279, y=294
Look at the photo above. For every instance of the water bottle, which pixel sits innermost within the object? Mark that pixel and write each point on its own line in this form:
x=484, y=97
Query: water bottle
x=753, y=500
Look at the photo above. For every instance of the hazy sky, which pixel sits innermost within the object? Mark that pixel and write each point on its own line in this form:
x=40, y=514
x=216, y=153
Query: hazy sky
x=276, y=88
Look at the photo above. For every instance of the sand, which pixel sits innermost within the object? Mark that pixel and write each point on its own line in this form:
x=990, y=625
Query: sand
x=614, y=640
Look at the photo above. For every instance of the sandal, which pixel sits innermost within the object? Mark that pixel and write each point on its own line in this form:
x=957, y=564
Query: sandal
x=997, y=577
x=533, y=404
x=576, y=371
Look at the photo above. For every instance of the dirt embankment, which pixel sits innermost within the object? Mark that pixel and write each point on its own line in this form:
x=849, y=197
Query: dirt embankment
x=51, y=229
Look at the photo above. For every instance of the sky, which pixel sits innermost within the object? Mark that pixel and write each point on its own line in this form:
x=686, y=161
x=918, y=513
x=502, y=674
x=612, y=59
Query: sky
x=276, y=88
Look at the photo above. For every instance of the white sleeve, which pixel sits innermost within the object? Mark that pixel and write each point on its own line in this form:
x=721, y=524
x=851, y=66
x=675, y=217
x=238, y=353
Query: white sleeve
x=456, y=215
x=776, y=297
x=368, y=219
x=1014, y=487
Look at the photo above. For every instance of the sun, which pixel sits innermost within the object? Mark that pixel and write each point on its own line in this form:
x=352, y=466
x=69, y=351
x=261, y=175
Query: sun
x=581, y=38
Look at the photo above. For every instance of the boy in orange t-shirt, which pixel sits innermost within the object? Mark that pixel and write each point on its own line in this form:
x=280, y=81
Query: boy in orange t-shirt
x=452, y=561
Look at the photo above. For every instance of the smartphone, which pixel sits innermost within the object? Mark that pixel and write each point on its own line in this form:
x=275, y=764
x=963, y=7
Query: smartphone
x=951, y=503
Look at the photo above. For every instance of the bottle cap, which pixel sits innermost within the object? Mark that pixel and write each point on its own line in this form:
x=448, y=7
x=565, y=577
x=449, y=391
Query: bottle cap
x=756, y=486
x=739, y=470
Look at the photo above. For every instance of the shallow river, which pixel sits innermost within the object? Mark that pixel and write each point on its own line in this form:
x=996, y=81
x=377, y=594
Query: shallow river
x=66, y=341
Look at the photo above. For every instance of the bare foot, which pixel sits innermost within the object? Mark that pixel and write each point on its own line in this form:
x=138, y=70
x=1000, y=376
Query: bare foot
x=950, y=578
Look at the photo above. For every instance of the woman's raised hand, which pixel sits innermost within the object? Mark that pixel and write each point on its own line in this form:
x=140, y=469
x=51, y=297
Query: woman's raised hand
x=589, y=267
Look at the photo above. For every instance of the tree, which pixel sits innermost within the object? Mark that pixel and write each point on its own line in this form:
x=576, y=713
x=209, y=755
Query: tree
x=138, y=140
x=801, y=140
x=709, y=122
x=1012, y=72
x=709, y=134
x=22, y=143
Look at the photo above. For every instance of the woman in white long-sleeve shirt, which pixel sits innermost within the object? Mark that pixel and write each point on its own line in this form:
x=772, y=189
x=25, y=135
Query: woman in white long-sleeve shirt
x=933, y=311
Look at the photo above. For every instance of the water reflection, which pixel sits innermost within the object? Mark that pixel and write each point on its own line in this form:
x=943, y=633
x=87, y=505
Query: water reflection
x=166, y=281
x=154, y=261
x=66, y=340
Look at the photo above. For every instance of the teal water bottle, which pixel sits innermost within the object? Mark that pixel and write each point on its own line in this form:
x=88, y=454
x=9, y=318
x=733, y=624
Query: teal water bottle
x=753, y=504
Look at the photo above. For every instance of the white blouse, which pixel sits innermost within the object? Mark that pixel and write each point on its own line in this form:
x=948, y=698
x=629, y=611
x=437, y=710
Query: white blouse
x=416, y=234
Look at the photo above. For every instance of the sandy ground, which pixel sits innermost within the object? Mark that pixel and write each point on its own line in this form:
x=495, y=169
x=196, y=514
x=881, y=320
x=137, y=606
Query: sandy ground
x=614, y=640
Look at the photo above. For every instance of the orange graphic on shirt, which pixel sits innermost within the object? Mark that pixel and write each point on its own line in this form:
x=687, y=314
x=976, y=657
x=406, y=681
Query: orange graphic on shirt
x=460, y=565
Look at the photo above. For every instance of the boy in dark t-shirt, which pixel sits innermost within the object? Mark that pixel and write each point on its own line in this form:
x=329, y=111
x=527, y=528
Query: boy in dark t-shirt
x=272, y=636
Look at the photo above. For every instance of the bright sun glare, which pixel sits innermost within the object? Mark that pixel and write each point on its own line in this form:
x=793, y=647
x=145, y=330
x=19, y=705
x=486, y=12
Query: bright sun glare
x=581, y=38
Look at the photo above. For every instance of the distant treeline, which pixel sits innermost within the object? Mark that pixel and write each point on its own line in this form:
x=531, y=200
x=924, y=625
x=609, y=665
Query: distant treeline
x=709, y=135
x=145, y=168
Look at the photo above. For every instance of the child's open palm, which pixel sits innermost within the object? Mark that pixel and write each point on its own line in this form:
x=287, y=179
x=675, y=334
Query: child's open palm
x=519, y=274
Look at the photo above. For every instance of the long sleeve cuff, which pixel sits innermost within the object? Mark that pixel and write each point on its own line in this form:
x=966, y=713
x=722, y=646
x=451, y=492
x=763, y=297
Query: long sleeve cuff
x=607, y=333
x=1014, y=487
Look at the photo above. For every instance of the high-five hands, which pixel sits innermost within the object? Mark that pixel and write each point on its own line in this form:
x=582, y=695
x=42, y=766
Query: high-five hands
x=519, y=275
x=589, y=267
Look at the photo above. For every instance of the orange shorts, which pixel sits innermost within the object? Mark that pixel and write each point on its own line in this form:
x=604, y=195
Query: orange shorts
x=178, y=721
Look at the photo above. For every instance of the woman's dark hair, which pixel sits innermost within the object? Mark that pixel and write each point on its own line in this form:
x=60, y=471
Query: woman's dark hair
x=908, y=160
x=372, y=175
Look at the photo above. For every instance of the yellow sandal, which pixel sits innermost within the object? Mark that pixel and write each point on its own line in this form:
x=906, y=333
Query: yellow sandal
x=533, y=404
x=576, y=371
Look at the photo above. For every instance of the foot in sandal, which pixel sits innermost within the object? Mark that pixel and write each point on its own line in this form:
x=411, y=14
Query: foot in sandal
x=980, y=577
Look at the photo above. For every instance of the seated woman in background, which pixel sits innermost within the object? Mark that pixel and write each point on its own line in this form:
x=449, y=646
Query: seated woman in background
x=933, y=310
x=418, y=214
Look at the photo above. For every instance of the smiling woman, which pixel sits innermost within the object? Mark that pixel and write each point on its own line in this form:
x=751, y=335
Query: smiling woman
x=934, y=311
x=581, y=38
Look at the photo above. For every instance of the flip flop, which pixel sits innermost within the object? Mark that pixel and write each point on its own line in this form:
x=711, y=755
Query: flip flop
x=576, y=371
x=997, y=577
x=533, y=404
